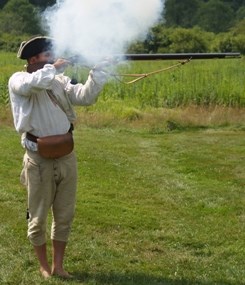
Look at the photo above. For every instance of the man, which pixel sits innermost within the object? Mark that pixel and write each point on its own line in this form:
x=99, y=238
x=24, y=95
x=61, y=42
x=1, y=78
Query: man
x=42, y=100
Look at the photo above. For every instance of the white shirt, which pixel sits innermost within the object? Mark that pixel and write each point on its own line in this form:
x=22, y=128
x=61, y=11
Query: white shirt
x=34, y=111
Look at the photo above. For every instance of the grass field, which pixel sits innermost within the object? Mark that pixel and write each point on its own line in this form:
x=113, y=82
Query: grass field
x=161, y=181
x=152, y=209
x=201, y=82
x=203, y=93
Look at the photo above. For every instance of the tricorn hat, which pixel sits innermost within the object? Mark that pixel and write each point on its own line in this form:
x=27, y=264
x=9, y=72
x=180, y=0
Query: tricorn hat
x=34, y=46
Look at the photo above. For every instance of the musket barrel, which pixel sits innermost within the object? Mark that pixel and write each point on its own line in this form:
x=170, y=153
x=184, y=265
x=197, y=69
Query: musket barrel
x=162, y=56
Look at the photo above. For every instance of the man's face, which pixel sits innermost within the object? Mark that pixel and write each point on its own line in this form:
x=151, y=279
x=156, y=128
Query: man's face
x=46, y=56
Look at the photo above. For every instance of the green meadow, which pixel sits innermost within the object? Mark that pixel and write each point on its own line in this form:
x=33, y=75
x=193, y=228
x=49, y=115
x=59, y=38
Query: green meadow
x=200, y=82
x=161, y=181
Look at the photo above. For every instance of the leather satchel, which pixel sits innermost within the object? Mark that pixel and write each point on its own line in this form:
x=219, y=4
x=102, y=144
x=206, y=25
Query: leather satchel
x=55, y=146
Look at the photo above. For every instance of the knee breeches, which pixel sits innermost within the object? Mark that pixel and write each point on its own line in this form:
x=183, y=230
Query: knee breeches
x=51, y=184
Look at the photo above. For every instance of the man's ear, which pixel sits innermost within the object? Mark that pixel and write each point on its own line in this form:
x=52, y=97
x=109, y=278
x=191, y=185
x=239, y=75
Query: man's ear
x=32, y=60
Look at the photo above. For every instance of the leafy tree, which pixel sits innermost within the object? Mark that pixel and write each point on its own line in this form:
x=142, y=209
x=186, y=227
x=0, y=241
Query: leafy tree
x=188, y=40
x=137, y=47
x=43, y=3
x=157, y=38
x=215, y=16
x=239, y=28
x=212, y=15
x=230, y=42
x=171, y=40
x=177, y=32
x=19, y=17
x=180, y=13
x=239, y=43
x=235, y=4
x=9, y=42
x=240, y=14
x=2, y=3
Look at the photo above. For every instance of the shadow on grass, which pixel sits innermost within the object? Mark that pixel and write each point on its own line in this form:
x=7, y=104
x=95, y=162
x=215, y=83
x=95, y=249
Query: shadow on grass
x=139, y=279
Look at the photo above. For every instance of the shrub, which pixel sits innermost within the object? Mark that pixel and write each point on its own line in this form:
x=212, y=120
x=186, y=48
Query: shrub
x=11, y=43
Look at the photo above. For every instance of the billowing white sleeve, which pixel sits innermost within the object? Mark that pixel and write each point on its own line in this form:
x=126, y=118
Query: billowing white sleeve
x=23, y=83
x=87, y=94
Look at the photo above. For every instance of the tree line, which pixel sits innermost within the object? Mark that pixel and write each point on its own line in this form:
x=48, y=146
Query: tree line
x=210, y=15
x=186, y=25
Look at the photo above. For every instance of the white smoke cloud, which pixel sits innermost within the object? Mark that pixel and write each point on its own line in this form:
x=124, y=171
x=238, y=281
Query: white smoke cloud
x=100, y=27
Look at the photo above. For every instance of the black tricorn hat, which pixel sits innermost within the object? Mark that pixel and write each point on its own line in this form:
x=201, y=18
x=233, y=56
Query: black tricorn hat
x=34, y=46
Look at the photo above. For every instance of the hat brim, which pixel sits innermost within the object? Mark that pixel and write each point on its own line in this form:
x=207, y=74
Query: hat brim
x=34, y=46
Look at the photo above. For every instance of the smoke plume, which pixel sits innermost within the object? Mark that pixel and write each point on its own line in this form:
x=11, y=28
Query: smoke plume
x=100, y=27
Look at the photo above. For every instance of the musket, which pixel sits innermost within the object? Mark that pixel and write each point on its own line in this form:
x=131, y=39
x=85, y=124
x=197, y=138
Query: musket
x=185, y=57
x=149, y=56
x=160, y=56
x=179, y=56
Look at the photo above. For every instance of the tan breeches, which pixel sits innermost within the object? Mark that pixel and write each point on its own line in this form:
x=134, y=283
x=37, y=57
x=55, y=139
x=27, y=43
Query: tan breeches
x=51, y=184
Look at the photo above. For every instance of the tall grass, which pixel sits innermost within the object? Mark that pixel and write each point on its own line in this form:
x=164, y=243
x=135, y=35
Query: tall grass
x=201, y=82
x=205, y=92
x=8, y=65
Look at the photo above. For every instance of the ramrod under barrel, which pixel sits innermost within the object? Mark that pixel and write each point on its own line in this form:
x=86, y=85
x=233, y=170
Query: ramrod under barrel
x=162, y=56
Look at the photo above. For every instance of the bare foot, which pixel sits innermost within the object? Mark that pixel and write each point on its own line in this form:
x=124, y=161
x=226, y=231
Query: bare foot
x=45, y=273
x=61, y=273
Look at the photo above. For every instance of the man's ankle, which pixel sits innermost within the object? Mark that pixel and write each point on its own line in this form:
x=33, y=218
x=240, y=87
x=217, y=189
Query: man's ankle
x=45, y=272
x=60, y=272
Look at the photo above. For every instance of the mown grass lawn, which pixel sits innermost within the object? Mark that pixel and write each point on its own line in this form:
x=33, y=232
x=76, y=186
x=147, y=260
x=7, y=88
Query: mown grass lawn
x=163, y=208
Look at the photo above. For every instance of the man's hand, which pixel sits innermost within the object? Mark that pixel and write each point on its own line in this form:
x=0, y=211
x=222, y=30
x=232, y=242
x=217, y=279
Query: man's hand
x=60, y=64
